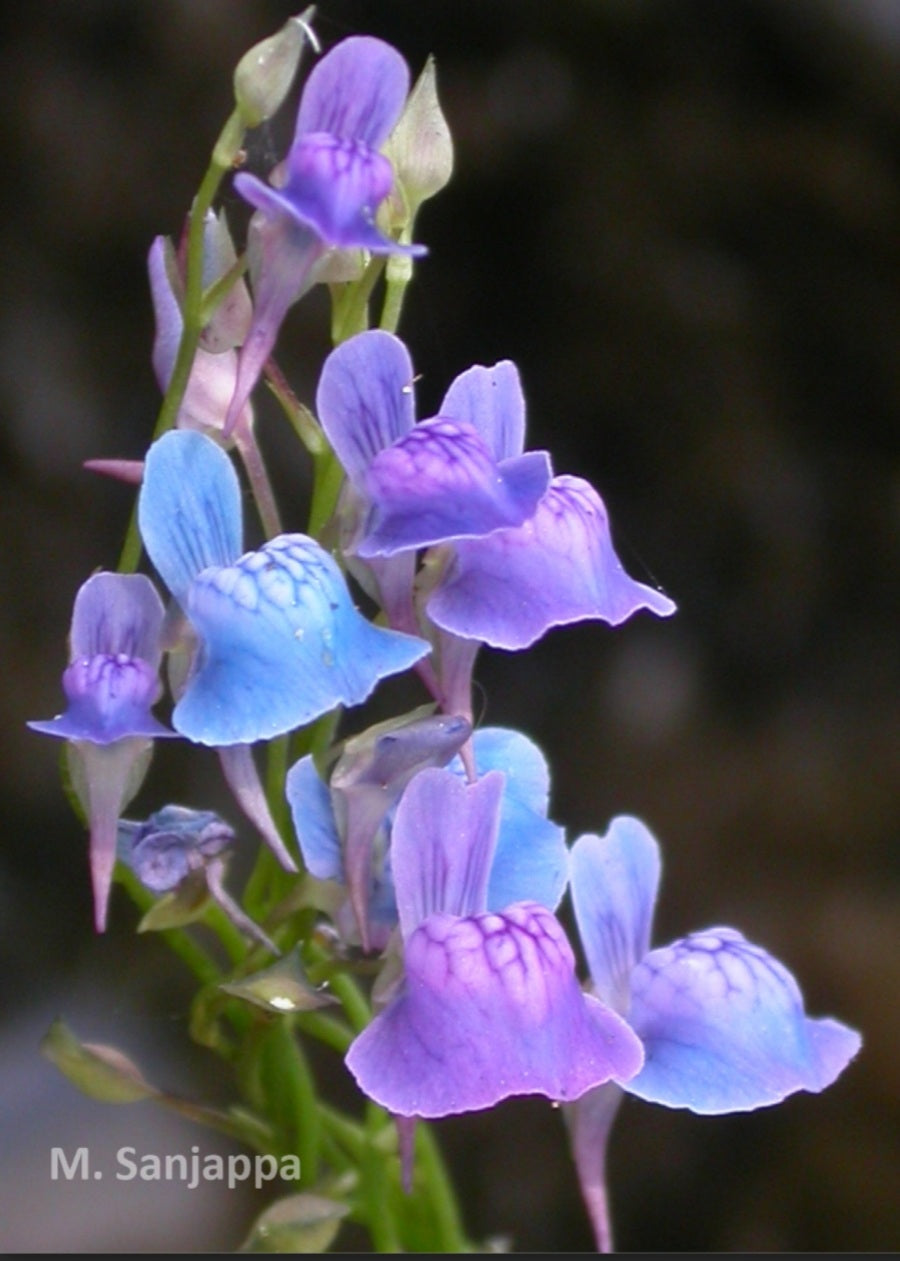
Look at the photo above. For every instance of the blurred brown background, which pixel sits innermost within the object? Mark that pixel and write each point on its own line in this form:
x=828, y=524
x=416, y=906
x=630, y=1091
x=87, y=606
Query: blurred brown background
x=680, y=218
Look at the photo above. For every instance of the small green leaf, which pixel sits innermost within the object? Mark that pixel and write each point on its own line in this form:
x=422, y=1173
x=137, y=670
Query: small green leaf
x=298, y=1223
x=281, y=988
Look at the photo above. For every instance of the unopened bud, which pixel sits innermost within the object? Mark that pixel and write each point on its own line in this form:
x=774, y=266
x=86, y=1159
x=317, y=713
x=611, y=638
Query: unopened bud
x=264, y=74
x=420, y=147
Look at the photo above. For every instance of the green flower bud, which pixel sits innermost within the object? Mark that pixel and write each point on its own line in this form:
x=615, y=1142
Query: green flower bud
x=265, y=73
x=420, y=148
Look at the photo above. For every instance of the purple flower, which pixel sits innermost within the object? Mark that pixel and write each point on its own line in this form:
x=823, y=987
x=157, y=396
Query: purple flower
x=280, y=641
x=328, y=189
x=459, y=475
x=513, y=551
x=110, y=683
x=489, y=1006
x=344, y=828
x=722, y=1022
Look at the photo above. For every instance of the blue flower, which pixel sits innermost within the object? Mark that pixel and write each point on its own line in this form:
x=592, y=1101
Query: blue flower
x=722, y=1022
x=110, y=684
x=489, y=1006
x=327, y=191
x=280, y=641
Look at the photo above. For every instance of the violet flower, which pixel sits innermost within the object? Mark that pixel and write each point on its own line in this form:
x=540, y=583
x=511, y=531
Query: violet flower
x=328, y=189
x=111, y=683
x=530, y=861
x=522, y=551
x=489, y=1006
x=722, y=1022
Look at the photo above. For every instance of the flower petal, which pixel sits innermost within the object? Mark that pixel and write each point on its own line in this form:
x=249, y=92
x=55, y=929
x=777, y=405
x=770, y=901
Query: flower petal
x=282, y=643
x=557, y=568
x=441, y=482
x=117, y=614
x=365, y=399
x=112, y=680
x=724, y=1028
x=442, y=844
x=356, y=91
x=531, y=862
x=492, y=402
x=615, y=879
x=314, y=823
x=189, y=508
x=491, y=1008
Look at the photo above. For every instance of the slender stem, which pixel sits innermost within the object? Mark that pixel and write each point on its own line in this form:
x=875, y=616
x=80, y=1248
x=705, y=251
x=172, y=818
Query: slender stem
x=178, y=941
x=303, y=421
x=398, y=274
x=248, y=449
x=440, y=1192
x=224, y=153
x=350, y=310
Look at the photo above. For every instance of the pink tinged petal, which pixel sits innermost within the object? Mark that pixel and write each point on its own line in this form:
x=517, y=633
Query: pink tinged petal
x=356, y=91
x=365, y=399
x=288, y=253
x=724, y=1028
x=129, y=471
x=491, y=1008
x=161, y=267
x=106, y=783
x=511, y=587
x=492, y=402
x=441, y=482
x=615, y=879
x=442, y=845
x=369, y=778
x=243, y=779
x=589, y=1120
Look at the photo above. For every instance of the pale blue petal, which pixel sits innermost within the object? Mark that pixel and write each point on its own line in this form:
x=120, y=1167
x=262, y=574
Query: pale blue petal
x=356, y=92
x=615, y=879
x=442, y=843
x=491, y=1008
x=559, y=567
x=365, y=399
x=724, y=1028
x=531, y=861
x=281, y=644
x=492, y=402
x=314, y=823
x=189, y=508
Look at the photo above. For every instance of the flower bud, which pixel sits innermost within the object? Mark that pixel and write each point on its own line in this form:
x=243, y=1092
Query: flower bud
x=264, y=74
x=420, y=148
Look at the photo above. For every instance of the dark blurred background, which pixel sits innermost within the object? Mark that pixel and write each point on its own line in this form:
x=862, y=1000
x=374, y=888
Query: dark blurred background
x=680, y=218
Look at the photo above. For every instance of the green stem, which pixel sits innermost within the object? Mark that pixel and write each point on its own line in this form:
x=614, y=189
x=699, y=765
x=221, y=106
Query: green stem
x=178, y=941
x=398, y=274
x=350, y=303
x=441, y=1194
x=224, y=153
